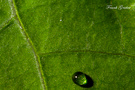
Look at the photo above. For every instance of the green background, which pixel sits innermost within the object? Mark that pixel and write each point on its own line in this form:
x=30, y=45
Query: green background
x=44, y=42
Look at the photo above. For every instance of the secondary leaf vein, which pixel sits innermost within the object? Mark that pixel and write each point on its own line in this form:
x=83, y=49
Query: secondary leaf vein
x=74, y=51
x=5, y=23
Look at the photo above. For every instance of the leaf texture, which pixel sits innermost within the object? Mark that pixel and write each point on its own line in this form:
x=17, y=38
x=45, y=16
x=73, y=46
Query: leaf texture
x=43, y=42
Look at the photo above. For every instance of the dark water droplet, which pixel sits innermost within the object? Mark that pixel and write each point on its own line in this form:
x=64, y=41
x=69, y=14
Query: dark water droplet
x=82, y=80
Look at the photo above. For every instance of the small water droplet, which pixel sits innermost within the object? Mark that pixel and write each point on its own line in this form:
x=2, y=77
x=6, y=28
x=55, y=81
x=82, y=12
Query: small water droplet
x=60, y=19
x=82, y=80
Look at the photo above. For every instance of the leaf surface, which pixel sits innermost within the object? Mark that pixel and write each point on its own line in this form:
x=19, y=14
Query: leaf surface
x=43, y=42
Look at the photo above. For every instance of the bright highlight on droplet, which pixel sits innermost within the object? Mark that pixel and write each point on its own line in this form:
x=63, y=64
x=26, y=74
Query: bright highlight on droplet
x=82, y=79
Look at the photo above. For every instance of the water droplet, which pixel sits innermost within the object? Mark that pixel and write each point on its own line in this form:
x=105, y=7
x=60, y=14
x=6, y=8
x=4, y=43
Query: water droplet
x=82, y=80
x=60, y=19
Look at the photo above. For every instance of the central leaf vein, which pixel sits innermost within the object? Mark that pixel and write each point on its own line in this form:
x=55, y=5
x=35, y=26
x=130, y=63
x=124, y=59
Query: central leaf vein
x=15, y=12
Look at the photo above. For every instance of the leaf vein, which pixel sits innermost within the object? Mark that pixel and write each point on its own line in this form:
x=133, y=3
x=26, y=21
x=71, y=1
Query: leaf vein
x=6, y=23
x=15, y=12
x=84, y=51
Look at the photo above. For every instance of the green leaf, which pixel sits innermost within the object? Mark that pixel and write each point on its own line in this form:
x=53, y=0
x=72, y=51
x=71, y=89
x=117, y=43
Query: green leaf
x=44, y=42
